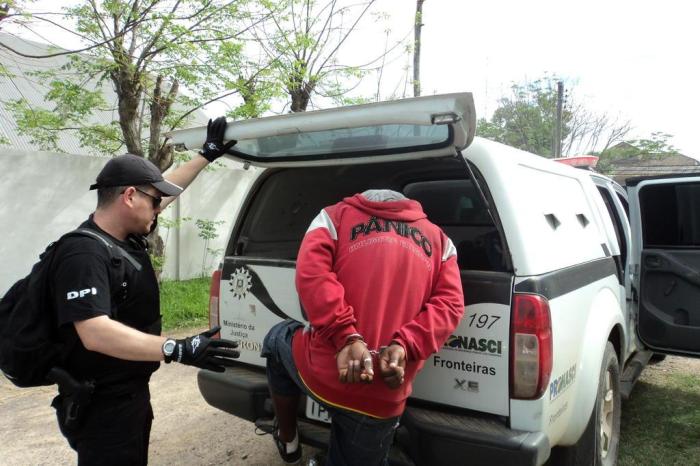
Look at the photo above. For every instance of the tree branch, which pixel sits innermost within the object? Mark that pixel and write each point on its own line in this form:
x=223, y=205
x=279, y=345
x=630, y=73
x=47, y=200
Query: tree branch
x=192, y=110
x=321, y=43
x=67, y=52
x=155, y=37
x=100, y=21
x=369, y=4
x=189, y=112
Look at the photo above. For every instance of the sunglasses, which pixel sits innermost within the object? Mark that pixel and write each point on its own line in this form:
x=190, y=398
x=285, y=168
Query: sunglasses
x=155, y=200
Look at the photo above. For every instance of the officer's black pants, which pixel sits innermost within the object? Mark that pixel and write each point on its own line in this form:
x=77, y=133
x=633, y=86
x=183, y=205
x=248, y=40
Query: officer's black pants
x=115, y=429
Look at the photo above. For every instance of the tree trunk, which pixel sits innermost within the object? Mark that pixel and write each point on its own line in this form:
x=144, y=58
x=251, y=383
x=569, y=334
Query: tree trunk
x=300, y=100
x=416, y=47
x=163, y=158
x=160, y=155
x=156, y=246
x=129, y=92
x=300, y=92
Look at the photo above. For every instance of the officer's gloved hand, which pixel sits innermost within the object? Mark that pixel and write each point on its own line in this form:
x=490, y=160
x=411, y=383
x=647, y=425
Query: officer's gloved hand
x=204, y=352
x=214, y=146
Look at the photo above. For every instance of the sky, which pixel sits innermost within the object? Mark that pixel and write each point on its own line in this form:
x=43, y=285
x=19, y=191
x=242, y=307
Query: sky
x=634, y=59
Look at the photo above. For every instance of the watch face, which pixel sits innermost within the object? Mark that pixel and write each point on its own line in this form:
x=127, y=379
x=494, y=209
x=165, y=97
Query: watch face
x=168, y=347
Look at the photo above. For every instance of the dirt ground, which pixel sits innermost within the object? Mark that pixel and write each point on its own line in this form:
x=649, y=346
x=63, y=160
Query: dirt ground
x=186, y=430
x=205, y=436
x=671, y=364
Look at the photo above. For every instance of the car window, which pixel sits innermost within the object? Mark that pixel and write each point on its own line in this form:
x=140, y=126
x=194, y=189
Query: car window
x=456, y=206
x=625, y=204
x=617, y=224
x=378, y=139
x=670, y=215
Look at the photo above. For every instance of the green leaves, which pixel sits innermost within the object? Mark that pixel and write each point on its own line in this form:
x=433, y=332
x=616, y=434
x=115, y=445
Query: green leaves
x=4, y=72
x=41, y=125
x=208, y=228
x=105, y=139
x=656, y=147
x=71, y=110
x=73, y=101
x=302, y=40
x=262, y=51
x=525, y=118
x=208, y=231
x=128, y=43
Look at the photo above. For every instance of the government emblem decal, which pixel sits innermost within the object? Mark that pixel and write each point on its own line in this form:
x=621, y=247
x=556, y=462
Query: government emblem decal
x=240, y=282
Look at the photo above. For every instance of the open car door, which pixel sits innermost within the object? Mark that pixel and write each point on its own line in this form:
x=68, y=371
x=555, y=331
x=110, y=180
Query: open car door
x=665, y=219
x=422, y=127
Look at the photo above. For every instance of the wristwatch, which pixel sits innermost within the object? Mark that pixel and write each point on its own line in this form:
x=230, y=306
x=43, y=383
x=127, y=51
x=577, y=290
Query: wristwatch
x=168, y=349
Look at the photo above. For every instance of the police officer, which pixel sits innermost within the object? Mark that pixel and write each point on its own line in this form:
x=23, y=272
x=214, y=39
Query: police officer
x=108, y=311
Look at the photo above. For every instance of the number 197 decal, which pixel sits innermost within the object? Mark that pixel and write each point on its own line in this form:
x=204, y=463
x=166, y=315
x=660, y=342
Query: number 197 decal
x=482, y=320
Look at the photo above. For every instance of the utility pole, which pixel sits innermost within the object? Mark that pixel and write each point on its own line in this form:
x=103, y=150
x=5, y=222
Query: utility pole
x=556, y=143
x=416, y=47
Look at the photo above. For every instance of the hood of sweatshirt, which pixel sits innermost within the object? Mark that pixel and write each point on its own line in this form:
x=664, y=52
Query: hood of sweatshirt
x=387, y=204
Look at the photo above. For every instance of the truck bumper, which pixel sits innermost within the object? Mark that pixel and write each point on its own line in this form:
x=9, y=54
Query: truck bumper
x=438, y=436
x=434, y=436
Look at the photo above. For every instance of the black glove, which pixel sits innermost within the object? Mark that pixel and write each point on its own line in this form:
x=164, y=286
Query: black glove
x=204, y=352
x=214, y=146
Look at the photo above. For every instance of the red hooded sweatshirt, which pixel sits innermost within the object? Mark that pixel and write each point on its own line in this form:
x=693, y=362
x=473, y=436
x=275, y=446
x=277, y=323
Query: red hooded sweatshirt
x=379, y=269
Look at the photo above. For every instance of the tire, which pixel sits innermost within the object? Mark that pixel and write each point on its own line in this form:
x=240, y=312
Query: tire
x=600, y=441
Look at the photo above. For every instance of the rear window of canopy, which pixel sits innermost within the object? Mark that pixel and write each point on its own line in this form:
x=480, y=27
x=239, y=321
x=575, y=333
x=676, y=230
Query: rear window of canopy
x=369, y=140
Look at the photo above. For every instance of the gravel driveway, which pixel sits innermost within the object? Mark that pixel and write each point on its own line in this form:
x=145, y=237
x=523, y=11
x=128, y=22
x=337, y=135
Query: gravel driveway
x=186, y=430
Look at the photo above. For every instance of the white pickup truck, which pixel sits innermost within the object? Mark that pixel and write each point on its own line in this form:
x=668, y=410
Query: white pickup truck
x=570, y=281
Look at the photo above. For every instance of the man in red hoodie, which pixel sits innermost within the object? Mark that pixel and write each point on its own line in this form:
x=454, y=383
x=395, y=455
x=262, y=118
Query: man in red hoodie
x=381, y=289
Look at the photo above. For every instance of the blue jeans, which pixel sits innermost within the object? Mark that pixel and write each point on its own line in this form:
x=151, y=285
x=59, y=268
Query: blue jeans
x=356, y=439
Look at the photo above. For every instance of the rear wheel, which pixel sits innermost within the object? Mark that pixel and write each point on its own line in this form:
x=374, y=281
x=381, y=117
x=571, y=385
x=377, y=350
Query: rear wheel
x=598, y=445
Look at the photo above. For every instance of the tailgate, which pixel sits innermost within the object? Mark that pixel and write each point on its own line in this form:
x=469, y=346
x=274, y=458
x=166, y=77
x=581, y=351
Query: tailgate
x=471, y=370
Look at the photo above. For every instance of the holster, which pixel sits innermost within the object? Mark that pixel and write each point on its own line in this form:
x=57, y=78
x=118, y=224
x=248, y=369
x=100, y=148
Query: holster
x=74, y=397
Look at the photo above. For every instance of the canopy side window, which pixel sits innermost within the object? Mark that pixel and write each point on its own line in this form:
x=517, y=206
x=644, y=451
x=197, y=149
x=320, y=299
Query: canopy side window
x=620, y=260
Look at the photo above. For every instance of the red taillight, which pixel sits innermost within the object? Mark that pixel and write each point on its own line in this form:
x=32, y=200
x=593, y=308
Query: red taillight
x=214, y=298
x=530, y=347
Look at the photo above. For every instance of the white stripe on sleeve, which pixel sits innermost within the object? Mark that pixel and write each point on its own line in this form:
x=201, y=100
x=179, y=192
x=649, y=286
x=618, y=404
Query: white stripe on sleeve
x=322, y=220
x=449, y=251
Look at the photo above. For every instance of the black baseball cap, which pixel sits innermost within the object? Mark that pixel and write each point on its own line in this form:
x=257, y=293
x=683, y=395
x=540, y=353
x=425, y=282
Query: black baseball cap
x=132, y=170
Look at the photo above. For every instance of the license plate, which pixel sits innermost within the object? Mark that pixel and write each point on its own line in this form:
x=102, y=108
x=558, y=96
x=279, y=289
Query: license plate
x=316, y=412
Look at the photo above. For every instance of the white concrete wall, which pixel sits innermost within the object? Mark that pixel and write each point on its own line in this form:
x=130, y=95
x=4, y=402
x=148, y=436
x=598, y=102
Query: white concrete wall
x=43, y=195
x=215, y=195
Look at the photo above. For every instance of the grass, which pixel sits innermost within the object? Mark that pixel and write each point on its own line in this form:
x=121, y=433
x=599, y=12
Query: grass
x=661, y=421
x=185, y=303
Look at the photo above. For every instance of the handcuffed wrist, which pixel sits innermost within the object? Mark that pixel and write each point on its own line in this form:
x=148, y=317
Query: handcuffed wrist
x=353, y=338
